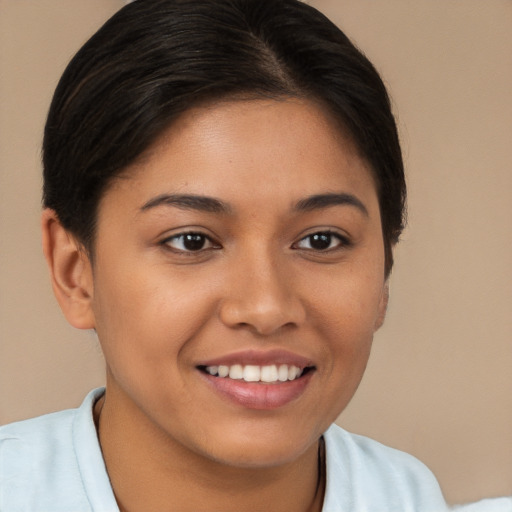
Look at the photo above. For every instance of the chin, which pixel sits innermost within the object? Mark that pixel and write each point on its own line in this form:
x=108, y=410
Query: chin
x=255, y=458
x=265, y=449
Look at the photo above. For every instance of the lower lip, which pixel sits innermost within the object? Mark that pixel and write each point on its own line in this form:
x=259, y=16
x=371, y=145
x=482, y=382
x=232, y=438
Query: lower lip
x=259, y=395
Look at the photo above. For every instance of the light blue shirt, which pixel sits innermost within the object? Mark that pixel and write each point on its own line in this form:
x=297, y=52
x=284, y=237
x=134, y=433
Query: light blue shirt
x=54, y=464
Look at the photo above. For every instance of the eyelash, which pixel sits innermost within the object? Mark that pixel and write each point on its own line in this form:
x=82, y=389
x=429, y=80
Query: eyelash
x=191, y=236
x=343, y=241
x=198, y=237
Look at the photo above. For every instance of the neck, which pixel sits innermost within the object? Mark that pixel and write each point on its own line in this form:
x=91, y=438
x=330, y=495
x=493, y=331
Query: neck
x=150, y=471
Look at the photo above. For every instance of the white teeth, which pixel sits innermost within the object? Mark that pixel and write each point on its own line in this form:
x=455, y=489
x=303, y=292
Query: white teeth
x=269, y=373
x=254, y=373
x=212, y=370
x=236, y=372
x=223, y=370
x=282, y=373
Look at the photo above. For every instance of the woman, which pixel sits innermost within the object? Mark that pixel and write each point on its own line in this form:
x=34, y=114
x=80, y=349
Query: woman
x=223, y=191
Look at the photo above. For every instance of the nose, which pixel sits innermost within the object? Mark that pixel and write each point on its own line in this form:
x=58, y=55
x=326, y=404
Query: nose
x=261, y=296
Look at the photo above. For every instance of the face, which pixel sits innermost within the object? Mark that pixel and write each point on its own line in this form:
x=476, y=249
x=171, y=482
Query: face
x=239, y=279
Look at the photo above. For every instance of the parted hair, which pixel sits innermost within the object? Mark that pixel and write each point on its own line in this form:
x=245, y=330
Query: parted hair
x=155, y=59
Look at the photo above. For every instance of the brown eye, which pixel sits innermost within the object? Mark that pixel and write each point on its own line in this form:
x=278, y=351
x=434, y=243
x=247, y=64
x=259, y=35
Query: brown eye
x=321, y=241
x=189, y=242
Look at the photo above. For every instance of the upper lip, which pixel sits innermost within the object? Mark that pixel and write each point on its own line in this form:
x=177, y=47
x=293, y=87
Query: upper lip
x=259, y=358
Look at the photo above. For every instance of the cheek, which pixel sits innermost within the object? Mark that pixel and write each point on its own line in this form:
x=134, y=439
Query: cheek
x=143, y=316
x=345, y=313
x=348, y=305
x=344, y=321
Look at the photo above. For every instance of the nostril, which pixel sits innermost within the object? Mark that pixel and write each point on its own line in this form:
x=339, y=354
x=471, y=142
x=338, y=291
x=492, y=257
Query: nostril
x=261, y=318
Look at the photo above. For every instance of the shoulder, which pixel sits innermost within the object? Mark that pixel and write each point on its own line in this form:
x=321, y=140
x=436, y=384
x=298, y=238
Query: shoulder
x=41, y=460
x=37, y=442
x=36, y=431
x=489, y=505
x=363, y=474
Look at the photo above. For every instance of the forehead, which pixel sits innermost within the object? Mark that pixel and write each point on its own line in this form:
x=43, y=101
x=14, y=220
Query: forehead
x=253, y=150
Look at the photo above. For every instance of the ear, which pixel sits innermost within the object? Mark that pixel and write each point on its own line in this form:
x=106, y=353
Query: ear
x=70, y=272
x=383, y=306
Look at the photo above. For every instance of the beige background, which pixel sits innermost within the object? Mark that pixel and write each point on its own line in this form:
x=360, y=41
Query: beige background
x=439, y=383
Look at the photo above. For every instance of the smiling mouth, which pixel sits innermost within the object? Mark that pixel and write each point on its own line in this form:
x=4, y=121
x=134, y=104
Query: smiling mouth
x=268, y=374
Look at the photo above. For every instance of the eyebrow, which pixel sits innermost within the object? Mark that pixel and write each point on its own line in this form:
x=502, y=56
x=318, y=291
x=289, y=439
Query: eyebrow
x=212, y=205
x=320, y=201
x=188, y=202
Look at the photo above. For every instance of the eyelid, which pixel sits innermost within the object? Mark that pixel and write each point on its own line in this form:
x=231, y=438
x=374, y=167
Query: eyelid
x=344, y=240
x=175, y=236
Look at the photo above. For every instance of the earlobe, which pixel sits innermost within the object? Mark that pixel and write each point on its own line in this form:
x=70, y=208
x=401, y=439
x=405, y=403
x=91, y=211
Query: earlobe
x=383, y=306
x=70, y=271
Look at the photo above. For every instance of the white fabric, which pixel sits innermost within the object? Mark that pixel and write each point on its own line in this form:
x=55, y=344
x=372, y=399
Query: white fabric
x=366, y=476
x=489, y=505
x=54, y=463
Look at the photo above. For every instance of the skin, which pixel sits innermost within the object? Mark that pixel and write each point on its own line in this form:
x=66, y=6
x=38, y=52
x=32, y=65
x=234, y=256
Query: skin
x=170, y=440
